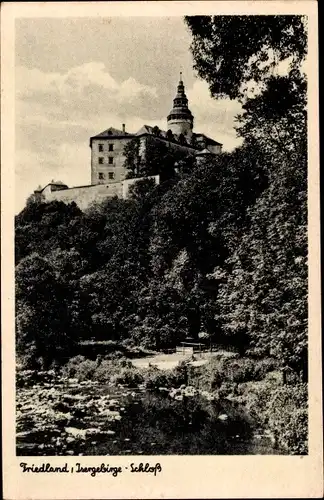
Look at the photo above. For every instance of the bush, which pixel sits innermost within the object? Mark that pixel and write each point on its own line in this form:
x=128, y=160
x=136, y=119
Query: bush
x=283, y=409
x=287, y=415
x=114, y=355
x=263, y=367
x=79, y=367
x=155, y=378
x=182, y=373
x=225, y=389
x=128, y=376
x=116, y=371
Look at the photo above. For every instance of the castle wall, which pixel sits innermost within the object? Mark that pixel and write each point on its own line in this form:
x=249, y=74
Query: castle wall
x=116, y=156
x=84, y=196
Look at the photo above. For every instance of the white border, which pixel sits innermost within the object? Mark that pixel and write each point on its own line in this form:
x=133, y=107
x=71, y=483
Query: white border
x=189, y=476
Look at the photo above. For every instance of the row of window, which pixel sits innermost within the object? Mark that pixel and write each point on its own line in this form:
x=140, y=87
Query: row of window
x=101, y=147
x=110, y=160
x=102, y=177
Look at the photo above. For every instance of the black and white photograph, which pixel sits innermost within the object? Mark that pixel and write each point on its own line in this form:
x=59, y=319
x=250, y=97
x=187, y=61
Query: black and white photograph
x=161, y=237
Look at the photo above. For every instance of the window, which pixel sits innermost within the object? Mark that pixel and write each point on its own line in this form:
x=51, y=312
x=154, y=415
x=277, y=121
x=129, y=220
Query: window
x=100, y=160
x=100, y=148
x=111, y=160
x=111, y=147
x=111, y=175
x=101, y=176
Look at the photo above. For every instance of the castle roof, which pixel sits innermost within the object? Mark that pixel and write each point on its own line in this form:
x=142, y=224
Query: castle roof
x=112, y=132
x=148, y=129
x=180, y=108
x=57, y=183
x=207, y=139
x=163, y=135
x=52, y=183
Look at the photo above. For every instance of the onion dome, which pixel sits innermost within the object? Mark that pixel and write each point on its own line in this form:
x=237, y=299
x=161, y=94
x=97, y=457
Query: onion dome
x=180, y=110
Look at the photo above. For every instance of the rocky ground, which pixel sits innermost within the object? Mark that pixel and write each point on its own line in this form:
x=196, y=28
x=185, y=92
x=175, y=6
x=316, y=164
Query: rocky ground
x=61, y=416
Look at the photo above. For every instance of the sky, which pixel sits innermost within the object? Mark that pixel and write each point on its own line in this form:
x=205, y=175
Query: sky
x=75, y=77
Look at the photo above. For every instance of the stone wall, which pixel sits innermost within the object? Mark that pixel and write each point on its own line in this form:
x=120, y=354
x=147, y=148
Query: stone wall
x=84, y=196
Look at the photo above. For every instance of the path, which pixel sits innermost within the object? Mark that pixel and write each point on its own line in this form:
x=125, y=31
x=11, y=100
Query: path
x=167, y=361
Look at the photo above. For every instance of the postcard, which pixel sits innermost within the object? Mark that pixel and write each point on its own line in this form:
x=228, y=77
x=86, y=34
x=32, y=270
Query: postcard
x=160, y=250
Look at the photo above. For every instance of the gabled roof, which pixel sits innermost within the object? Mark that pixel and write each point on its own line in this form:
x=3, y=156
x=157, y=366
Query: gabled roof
x=208, y=139
x=148, y=129
x=57, y=183
x=112, y=132
x=52, y=183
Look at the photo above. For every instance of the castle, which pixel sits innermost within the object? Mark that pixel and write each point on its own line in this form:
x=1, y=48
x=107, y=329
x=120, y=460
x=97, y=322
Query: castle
x=108, y=171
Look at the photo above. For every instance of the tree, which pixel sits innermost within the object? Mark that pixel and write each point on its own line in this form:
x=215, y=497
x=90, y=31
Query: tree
x=157, y=158
x=240, y=56
x=203, y=215
x=182, y=139
x=170, y=135
x=43, y=313
x=132, y=158
x=277, y=118
x=41, y=227
x=142, y=189
x=264, y=294
x=230, y=51
x=262, y=298
x=35, y=199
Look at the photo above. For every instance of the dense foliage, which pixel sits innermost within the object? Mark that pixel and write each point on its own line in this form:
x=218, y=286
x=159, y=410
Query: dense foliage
x=259, y=61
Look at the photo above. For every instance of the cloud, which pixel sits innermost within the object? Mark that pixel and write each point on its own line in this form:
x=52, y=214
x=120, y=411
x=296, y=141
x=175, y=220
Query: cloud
x=214, y=117
x=77, y=84
x=67, y=162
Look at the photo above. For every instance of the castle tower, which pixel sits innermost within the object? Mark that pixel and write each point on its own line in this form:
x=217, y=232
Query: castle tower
x=180, y=119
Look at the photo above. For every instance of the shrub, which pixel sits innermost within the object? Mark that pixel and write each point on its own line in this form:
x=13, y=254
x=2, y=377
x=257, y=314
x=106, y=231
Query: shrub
x=287, y=415
x=155, y=378
x=225, y=389
x=107, y=369
x=263, y=367
x=181, y=373
x=72, y=367
x=240, y=370
x=119, y=371
x=283, y=409
x=128, y=376
x=114, y=355
x=80, y=368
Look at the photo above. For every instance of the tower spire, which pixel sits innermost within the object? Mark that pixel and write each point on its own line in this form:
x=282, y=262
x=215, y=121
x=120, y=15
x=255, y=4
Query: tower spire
x=180, y=119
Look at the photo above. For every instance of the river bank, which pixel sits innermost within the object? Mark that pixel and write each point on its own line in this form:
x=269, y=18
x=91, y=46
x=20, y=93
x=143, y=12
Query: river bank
x=113, y=407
